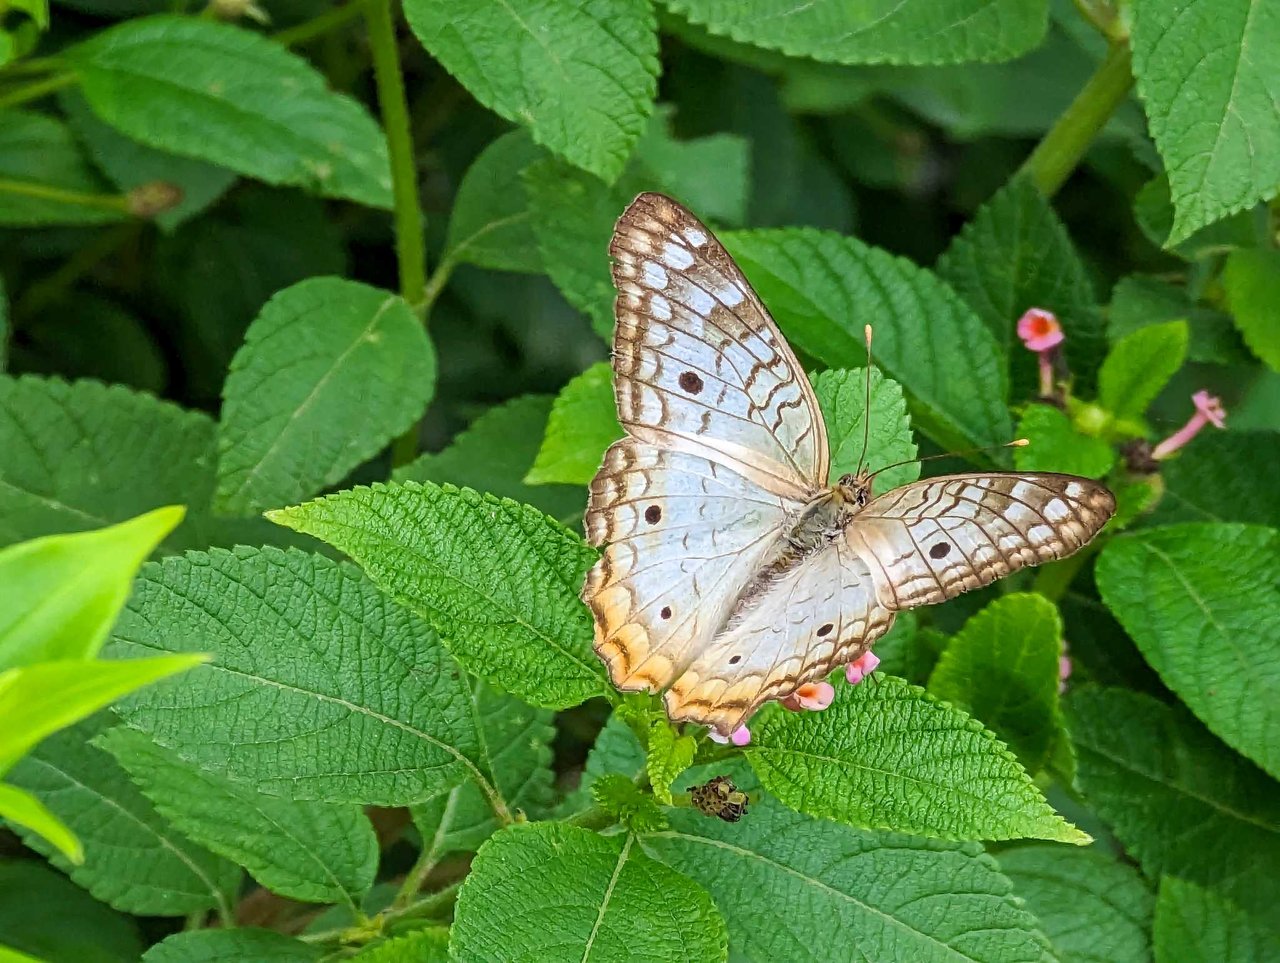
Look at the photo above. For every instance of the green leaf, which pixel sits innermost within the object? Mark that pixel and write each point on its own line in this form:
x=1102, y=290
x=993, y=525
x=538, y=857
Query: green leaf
x=40, y=150
x=422, y=946
x=296, y=421
x=1093, y=908
x=1016, y=254
x=360, y=702
x=223, y=946
x=1180, y=801
x=623, y=799
x=1138, y=366
x=45, y=914
x=580, y=77
x=583, y=423
x=490, y=223
x=495, y=453
x=37, y=700
x=616, y=751
x=315, y=852
x=1212, y=102
x=1251, y=279
x=1057, y=446
x=1225, y=476
x=1153, y=210
x=846, y=893
x=562, y=893
x=1002, y=669
x=1202, y=604
x=888, y=756
x=20, y=808
x=134, y=859
x=670, y=753
x=905, y=32
x=129, y=164
x=516, y=751
x=1194, y=924
x=1139, y=301
x=822, y=288
x=842, y=398
x=60, y=594
x=499, y=581
x=202, y=89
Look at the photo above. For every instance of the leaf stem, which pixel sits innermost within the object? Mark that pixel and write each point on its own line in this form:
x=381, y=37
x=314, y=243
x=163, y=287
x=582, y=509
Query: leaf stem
x=1058, y=154
x=318, y=26
x=47, y=192
x=36, y=89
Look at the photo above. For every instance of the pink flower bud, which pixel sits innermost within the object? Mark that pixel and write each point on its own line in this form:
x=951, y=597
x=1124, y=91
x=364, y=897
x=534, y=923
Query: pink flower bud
x=812, y=696
x=1209, y=411
x=1039, y=330
x=861, y=667
x=739, y=737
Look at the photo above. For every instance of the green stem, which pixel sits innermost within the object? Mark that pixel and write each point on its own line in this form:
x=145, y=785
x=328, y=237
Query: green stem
x=36, y=89
x=1104, y=17
x=32, y=65
x=1058, y=154
x=47, y=192
x=318, y=26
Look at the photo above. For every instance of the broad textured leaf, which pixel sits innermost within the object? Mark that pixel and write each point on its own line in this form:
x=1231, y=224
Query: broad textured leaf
x=1213, y=101
x=45, y=914
x=635, y=809
x=499, y=581
x=670, y=753
x=516, y=746
x=1002, y=668
x=1013, y=255
x=490, y=223
x=41, y=150
x=134, y=859
x=1194, y=924
x=822, y=288
x=209, y=90
x=1139, y=301
x=1139, y=365
x=1057, y=446
x=808, y=891
x=897, y=32
x=318, y=686
x=423, y=946
x=843, y=400
x=1093, y=908
x=1203, y=605
x=615, y=751
x=37, y=700
x=330, y=372
x=580, y=76
x=495, y=453
x=889, y=756
x=21, y=809
x=130, y=164
x=548, y=892
x=60, y=594
x=315, y=852
x=583, y=423
x=225, y=946
x=1181, y=802
x=1225, y=476
x=1252, y=282
x=1153, y=210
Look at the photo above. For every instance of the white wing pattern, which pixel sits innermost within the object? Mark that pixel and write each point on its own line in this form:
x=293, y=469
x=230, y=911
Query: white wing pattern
x=731, y=573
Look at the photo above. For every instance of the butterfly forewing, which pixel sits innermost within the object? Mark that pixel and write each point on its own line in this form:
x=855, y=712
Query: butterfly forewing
x=931, y=540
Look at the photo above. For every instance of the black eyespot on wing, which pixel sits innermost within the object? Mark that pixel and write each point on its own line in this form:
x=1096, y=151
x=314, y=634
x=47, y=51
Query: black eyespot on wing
x=735, y=660
x=825, y=630
x=666, y=612
x=940, y=550
x=691, y=383
x=653, y=514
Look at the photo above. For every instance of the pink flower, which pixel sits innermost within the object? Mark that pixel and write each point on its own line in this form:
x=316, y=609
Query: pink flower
x=740, y=737
x=1064, y=672
x=1039, y=330
x=1209, y=410
x=814, y=696
x=861, y=667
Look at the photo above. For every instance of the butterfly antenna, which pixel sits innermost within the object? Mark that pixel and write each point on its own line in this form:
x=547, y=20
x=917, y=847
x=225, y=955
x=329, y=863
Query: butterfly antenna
x=1016, y=443
x=866, y=411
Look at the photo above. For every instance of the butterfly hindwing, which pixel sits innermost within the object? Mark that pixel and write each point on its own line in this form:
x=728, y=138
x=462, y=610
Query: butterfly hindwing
x=933, y=539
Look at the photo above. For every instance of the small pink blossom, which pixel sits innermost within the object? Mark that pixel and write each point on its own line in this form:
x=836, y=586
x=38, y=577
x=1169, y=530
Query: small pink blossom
x=1064, y=672
x=1209, y=411
x=740, y=737
x=861, y=667
x=813, y=696
x=1039, y=330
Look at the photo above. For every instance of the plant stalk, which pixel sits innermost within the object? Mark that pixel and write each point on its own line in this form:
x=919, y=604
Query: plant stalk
x=1059, y=153
x=47, y=192
x=36, y=89
x=318, y=26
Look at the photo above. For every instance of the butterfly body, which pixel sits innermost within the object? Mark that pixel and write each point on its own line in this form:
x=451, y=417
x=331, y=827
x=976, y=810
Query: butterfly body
x=733, y=571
